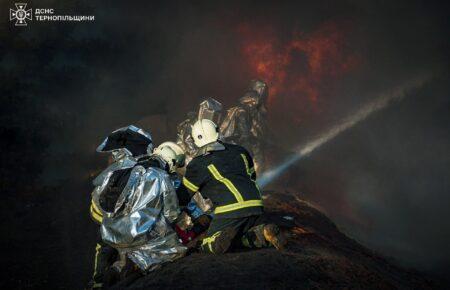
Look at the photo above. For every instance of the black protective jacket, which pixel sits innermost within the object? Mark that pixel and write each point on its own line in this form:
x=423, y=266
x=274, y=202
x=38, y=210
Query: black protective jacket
x=225, y=174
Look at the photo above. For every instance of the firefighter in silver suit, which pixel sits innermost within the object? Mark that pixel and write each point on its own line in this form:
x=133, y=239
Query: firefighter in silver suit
x=246, y=125
x=184, y=138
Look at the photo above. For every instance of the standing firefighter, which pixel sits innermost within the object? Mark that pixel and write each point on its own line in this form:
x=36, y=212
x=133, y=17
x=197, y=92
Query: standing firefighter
x=225, y=174
x=246, y=125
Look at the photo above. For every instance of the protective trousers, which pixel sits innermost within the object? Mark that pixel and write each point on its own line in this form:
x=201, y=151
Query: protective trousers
x=226, y=233
x=105, y=256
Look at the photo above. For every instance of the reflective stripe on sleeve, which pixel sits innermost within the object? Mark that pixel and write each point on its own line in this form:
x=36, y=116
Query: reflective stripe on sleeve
x=96, y=209
x=190, y=185
x=249, y=170
x=95, y=215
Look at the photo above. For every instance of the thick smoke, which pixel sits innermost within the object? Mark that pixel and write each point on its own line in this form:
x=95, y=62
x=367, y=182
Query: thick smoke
x=385, y=181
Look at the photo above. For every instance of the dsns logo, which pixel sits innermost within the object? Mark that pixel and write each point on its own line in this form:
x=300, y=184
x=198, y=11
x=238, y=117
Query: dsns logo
x=20, y=14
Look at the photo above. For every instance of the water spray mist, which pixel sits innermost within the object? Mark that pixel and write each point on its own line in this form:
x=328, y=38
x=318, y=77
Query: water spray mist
x=379, y=103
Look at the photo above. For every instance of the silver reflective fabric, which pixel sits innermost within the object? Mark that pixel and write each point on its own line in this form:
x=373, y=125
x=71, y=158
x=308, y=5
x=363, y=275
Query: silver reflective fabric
x=184, y=138
x=228, y=128
x=245, y=124
x=131, y=128
x=101, y=181
x=260, y=88
x=121, y=153
x=139, y=226
x=210, y=109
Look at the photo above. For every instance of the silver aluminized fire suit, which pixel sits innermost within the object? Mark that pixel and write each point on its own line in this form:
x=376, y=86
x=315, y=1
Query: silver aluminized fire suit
x=246, y=124
x=139, y=226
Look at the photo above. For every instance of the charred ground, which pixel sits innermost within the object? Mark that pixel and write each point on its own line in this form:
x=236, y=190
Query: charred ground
x=319, y=257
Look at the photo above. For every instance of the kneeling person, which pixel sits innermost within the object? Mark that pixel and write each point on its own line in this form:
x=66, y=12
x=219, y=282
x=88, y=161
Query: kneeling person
x=140, y=225
x=225, y=174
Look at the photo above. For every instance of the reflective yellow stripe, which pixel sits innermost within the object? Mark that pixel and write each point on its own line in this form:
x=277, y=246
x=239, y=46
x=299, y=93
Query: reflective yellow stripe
x=95, y=212
x=238, y=205
x=95, y=215
x=190, y=185
x=93, y=209
x=225, y=181
x=99, y=212
x=209, y=240
x=240, y=201
x=249, y=170
x=97, y=249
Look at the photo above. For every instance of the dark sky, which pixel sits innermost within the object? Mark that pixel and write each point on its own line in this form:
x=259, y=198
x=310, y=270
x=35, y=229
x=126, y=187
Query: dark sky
x=64, y=86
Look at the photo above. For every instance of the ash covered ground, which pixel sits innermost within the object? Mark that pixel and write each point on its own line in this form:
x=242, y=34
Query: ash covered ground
x=319, y=256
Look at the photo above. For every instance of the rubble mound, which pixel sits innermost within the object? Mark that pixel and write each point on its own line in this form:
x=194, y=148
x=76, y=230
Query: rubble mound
x=319, y=256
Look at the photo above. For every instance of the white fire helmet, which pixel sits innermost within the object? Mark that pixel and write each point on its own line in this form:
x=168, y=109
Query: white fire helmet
x=180, y=155
x=168, y=155
x=204, y=132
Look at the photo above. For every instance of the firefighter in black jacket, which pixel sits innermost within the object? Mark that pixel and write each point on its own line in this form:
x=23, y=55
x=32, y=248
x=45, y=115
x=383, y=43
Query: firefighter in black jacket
x=225, y=174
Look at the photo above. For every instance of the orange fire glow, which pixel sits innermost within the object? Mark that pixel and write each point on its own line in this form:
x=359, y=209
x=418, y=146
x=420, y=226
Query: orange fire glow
x=301, y=68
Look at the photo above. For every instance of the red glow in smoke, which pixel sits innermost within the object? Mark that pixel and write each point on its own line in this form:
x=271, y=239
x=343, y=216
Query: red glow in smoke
x=302, y=68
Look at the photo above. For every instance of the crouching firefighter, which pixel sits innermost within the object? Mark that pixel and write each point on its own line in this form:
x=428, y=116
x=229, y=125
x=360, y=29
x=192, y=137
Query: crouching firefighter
x=135, y=204
x=225, y=174
x=140, y=226
x=199, y=220
x=126, y=145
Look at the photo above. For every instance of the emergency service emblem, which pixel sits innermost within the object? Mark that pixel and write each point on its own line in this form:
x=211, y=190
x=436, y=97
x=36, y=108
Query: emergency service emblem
x=20, y=14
